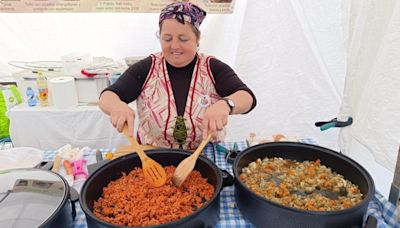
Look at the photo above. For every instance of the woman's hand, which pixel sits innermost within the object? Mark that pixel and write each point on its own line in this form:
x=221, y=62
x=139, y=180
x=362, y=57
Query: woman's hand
x=120, y=113
x=215, y=118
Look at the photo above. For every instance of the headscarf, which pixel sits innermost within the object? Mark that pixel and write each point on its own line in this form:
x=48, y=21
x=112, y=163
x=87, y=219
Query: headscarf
x=183, y=11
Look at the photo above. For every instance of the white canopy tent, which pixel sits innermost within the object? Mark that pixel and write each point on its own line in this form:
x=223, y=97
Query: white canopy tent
x=371, y=93
x=295, y=55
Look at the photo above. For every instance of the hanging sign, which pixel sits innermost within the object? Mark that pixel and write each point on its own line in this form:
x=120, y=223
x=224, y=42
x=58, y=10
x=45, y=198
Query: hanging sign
x=127, y=6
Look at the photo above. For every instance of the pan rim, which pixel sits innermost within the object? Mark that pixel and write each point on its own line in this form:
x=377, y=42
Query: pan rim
x=368, y=196
x=215, y=197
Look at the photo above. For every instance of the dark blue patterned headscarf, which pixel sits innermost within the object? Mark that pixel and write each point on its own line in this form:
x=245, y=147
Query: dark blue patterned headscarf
x=183, y=11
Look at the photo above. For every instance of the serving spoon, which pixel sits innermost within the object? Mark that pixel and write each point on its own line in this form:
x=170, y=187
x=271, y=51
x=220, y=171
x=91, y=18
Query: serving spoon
x=324, y=192
x=186, y=166
x=153, y=171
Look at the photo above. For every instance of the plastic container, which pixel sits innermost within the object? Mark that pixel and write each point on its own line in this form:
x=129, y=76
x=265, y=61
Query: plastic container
x=31, y=97
x=133, y=59
x=74, y=62
x=41, y=82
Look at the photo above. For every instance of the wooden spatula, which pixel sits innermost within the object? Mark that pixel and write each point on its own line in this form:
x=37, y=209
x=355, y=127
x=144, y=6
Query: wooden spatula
x=129, y=149
x=153, y=172
x=186, y=166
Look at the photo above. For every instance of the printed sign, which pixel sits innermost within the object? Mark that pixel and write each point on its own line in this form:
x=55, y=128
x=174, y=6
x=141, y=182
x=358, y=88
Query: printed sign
x=127, y=6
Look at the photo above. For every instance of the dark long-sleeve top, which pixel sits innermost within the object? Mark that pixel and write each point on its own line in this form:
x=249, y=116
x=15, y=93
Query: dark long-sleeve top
x=129, y=85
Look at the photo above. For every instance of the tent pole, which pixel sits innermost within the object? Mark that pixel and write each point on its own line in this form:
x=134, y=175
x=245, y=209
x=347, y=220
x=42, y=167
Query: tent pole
x=395, y=188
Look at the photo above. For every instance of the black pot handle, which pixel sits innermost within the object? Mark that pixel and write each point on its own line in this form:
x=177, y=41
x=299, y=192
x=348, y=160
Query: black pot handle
x=371, y=222
x=46, y=165
x=227, y=178
x=74, y=197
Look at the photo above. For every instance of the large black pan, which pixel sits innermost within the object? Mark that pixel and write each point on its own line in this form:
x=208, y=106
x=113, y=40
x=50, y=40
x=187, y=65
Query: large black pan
x=265, y=213
x=36, y=198
x=206, y=216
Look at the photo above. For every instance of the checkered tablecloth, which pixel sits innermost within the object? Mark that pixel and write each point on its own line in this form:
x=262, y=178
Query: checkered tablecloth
x=380, y=208
x=385, y=212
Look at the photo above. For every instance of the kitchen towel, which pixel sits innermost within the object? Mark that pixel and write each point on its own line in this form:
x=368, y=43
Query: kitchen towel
x=63, y=92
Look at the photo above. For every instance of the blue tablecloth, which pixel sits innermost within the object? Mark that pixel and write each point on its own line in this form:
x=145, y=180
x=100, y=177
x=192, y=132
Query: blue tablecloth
x=384, y=211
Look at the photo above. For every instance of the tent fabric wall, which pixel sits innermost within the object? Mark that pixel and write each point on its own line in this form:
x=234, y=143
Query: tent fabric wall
x=372, y=94
x=292, y=54
x=48, y=36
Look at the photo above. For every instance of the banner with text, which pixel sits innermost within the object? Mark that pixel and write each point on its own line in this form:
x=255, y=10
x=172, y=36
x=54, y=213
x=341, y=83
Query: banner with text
x=127, y=6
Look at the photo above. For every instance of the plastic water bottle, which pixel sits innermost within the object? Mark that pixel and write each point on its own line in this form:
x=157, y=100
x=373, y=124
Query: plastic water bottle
x=31, y=97
x=41, y=82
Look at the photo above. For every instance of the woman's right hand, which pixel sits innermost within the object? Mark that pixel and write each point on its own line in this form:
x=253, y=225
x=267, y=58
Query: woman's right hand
x=122, y=114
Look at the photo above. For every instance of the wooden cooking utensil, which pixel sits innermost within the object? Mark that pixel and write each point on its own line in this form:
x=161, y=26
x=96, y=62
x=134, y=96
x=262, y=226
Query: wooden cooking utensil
x=153, y=172
x=129, y=149
x=186, y=166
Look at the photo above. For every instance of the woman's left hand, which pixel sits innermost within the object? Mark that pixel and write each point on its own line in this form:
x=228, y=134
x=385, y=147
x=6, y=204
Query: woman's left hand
x=215, y=118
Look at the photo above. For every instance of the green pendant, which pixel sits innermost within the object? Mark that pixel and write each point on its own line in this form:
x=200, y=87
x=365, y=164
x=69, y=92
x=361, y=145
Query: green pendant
x=180, y=131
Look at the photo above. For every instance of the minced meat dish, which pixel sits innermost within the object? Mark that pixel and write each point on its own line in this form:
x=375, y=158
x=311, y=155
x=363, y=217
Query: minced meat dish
x=132, y=201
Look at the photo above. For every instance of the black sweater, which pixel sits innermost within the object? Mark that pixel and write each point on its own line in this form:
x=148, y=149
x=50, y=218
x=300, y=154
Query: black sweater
x=129, y=85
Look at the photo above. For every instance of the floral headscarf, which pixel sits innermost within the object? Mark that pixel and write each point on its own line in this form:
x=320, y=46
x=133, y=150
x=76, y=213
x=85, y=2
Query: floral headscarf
x=183, y=11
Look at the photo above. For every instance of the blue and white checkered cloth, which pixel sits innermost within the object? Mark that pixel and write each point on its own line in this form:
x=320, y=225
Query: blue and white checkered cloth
x=230, y=216
x=384, y=211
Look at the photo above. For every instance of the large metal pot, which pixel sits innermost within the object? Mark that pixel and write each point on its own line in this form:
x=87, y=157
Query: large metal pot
x=264, y=213
x=35, y=198
x=206, y=216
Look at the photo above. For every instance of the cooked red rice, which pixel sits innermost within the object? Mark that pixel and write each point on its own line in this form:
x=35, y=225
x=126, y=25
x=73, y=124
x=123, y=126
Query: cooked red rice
x=132, y=201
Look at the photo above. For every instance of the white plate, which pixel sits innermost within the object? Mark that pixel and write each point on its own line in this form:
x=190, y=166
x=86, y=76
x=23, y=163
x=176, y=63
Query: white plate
x=20, y=157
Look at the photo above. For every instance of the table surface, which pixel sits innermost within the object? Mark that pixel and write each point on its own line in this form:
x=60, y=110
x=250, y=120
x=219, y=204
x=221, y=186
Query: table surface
x=51, y=128
x=230, y=216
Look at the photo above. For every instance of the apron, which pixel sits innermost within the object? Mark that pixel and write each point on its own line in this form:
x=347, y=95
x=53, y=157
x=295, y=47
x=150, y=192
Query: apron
x=156, y=106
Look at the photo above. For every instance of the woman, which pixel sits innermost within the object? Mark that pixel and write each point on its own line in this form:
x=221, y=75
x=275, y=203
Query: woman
x=181, y=95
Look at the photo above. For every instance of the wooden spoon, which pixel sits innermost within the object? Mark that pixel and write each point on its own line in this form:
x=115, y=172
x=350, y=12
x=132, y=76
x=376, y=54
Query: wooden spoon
x=153, y=171
x=186, y=166
x=129, y=149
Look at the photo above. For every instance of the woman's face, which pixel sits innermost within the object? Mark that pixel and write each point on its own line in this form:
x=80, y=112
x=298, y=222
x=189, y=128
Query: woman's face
x=178, y=42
